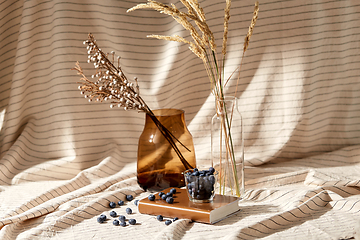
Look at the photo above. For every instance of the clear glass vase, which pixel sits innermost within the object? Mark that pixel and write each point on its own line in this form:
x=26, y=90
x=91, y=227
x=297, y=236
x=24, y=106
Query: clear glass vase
x=158, y=162
x=227, y=147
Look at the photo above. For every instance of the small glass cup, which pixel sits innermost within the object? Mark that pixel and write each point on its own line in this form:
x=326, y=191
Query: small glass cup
x=200, y=186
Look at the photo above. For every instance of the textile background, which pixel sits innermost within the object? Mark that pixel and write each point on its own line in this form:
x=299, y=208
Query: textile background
x=63, y=159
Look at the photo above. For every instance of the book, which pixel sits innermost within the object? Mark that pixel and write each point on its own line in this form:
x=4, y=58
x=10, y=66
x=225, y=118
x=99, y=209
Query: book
x=220, y=208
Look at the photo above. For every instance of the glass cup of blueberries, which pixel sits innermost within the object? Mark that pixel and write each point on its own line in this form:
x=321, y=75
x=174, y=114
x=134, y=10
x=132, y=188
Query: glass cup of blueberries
x=200, y=184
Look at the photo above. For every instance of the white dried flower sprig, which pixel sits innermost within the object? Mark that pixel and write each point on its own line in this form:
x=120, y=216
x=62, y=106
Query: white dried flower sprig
x=112, y=85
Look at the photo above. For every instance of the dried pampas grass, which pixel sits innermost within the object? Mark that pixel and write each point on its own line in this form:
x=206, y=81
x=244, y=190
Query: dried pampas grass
x=251, y=27
x=203, y=41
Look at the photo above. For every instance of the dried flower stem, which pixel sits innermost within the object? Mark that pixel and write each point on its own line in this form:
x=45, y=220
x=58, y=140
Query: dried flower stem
x=112, y=85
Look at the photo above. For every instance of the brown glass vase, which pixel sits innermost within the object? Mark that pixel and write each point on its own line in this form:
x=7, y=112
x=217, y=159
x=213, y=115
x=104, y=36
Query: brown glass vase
x=158, y=164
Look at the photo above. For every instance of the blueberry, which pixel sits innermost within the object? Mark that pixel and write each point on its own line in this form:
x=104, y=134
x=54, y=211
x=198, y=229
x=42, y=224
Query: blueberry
x=122, y=218
x=123, y=224
x=190, y=191
x=151, y=197
x=112, y=204
x=168, y=222
x=173, y=190
x=116, y=222
x=132, y=221
x=100, y=220
x=159, y=217
x=163, y=197
x=212, y=179
x=113, y=214
x=169, y=194
x=188, y=178
x=170, y=200
x=129, y=197
x=196, y=173
x=175, y=218
x=211, y=170
x=121, y=202
x=103, y=217
x=136, y=202
x=195, y=169
x=129, y=211
x=161, y=193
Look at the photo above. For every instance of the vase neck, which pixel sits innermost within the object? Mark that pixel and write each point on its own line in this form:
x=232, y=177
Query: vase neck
x=166, y=114
x=225, y=105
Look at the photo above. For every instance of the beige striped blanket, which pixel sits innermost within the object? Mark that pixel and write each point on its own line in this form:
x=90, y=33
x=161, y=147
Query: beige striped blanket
x=63, y=159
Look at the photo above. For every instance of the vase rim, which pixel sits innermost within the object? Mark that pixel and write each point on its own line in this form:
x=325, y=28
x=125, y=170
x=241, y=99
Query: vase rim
x=228, y=98
x=167, y=112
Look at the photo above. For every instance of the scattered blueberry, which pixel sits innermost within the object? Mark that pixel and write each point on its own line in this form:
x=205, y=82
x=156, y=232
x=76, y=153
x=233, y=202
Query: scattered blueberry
x=113, y=214
x=161, y=193
x=169, y=194
x=100, y=220
x=211, y=170
x=136, y=202
x=121, y=202
x=175, y=218
x=132, y=221
x=116, y=222
x=112, y=204
x=168, y=222
x=129, y=197
x=159, y=217
x=123, y=224
x=103, y=217
x=129, y=211
x=122, y=218
x=170, y=200
x=196, y=170
x=151, y=197
x=173, y=190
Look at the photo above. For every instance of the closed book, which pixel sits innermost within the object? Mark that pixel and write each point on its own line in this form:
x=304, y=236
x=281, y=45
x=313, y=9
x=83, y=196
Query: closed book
x=220, y=208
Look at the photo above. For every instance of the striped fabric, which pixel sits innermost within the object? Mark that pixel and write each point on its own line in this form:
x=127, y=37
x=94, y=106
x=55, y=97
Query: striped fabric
x=62, y=159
